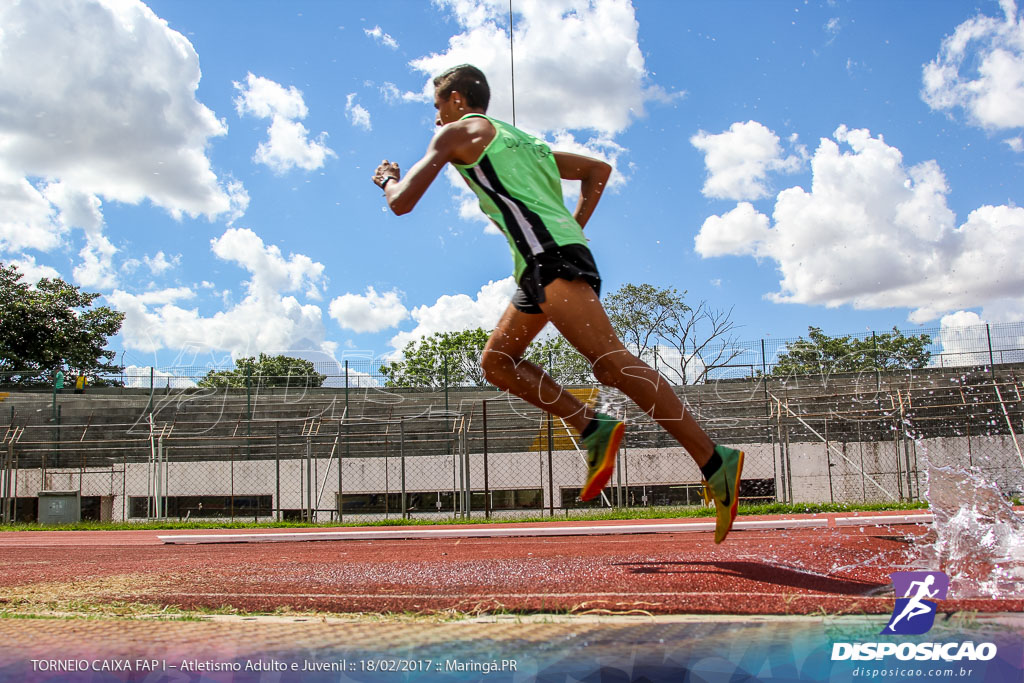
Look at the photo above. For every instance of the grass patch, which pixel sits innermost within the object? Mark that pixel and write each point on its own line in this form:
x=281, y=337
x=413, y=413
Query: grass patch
x=572, y=516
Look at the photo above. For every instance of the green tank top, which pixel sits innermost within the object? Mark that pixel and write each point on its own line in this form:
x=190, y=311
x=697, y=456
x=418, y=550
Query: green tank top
x=516, y=180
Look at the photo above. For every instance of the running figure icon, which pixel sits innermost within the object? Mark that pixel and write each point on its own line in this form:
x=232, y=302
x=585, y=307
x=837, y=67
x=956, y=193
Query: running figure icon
x=921, y=591
x=915, y=606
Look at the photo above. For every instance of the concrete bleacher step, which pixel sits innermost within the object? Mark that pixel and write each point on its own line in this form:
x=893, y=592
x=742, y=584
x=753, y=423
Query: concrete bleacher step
x=269, y=424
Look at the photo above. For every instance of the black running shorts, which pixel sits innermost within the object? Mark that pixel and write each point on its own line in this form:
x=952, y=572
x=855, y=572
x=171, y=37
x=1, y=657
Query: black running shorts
x=571, y=262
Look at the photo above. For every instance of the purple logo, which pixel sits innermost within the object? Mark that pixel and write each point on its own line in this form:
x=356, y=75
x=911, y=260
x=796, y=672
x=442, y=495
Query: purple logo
x=916, y=595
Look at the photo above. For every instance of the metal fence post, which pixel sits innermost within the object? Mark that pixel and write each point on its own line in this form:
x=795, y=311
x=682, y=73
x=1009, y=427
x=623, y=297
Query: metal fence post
x=9, y=472
x=232, y=451
x=784, y=460
x=487, y=481
x=878, y=375
x=551, y=481
x=991, y=358
x=347, y=418
x=828, y=465
x=124, y=488
x=248, y=412
x=768, y=414
x=277, y=468
x=444, y=361
x=463, y=484
x=310, y=482
x=465, y=454
x=340, y=462
x=620, y=492
x=401, y=454
x=899, y=468
x=158, y=490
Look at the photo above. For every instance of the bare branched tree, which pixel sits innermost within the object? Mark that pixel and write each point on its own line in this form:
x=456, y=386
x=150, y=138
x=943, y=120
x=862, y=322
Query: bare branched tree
x=703, y=337
x=697, y=339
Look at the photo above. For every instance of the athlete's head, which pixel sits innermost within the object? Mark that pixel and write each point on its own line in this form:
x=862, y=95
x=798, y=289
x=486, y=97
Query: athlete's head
x=458, y=90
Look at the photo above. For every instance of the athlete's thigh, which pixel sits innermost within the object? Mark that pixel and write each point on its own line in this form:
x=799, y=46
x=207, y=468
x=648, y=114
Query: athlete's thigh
x=574, y=308
x=514, y=332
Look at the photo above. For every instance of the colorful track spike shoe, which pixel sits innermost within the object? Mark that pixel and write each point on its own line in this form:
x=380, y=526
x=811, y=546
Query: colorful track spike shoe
x=601, y=448
x=723, y=487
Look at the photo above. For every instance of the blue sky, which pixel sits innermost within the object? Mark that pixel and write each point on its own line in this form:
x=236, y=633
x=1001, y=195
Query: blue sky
x=205, y=166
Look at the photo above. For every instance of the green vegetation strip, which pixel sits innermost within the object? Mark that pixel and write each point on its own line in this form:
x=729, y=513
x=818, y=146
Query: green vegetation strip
x=582, y=516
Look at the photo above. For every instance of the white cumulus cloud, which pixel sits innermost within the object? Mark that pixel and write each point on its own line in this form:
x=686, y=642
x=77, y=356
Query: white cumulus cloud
x=980, y=69
x=738, y=160
x=555, y=88
x=33, y=272
x=357, y=113
x=454, y=313
x=737, y=232
x=27, y=219
x=556, y=92
x=962, y=338
x=111, y=112
x=370, y=312
x=268, y=319
x=377, y=33
x=99, y=102
x=876, y=233
x=96, y=269
x=288, y=144
x=158, y=263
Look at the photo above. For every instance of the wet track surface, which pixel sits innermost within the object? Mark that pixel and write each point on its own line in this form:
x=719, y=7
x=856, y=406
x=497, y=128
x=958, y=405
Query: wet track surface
x=778, y=572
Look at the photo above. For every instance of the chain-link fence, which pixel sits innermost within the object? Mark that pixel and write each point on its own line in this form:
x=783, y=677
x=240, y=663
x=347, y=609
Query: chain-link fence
x=324, y=456
x=354, y=450
x=867, y=352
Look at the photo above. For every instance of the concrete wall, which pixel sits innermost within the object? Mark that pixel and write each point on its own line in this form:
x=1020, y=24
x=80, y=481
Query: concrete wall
x=844, y=472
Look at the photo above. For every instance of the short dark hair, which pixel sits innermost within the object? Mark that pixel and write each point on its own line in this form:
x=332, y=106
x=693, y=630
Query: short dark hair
x=468, y=80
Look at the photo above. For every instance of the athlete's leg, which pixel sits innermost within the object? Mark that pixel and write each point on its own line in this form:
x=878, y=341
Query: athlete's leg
x=575, y=309
x=504, y=367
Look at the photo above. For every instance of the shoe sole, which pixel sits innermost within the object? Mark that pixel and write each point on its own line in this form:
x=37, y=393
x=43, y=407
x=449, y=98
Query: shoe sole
x=595, y=485
x=735, y=498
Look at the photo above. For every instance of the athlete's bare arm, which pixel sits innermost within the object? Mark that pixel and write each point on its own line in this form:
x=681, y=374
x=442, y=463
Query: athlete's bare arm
x=461, y=142
x=594, y=175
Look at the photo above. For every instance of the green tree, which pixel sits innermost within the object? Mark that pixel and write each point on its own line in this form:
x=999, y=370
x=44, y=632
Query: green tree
x=691, y=341
x=821, y=354
x=561, y=361
x=266, y=371
x=641, y=313
x=50, y=326
x=442, y=359
x=426, y=361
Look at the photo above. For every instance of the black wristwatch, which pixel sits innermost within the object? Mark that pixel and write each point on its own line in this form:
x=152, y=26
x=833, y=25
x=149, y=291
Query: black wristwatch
x=386, y=179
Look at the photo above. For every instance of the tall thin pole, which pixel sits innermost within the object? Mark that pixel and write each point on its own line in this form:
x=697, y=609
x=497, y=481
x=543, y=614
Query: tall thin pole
x=341, y=483
x=401, y=452
x=551, y=438
x=512, y=59
x=277, y=467
x=487, y=480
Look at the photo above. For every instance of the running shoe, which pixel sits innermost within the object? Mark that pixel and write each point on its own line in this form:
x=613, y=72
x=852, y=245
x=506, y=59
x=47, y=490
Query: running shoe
x=601, y=448
x=723, y=488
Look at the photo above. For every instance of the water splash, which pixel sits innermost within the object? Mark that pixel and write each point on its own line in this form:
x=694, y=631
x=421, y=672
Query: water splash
x=612, y=402
x=979, y=539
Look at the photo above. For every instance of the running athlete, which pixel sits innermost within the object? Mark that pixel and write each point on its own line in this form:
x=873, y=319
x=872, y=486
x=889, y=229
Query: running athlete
x=517, y=180
x=915, y=606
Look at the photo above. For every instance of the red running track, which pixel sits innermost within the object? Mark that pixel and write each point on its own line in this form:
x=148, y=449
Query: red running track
x=838, y=570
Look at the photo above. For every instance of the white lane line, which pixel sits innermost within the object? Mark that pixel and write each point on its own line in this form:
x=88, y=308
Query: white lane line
x=883, y=520
x=483, y=531
x=505, y=596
